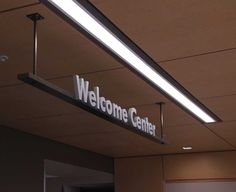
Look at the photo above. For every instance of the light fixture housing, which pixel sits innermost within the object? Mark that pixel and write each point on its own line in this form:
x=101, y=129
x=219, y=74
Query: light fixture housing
x=93, y=24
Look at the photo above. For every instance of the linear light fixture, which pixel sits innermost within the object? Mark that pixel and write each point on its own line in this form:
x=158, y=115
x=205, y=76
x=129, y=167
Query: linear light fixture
x=91, y=22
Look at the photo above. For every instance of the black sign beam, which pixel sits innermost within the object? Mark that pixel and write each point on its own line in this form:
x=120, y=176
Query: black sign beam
x=64, y=95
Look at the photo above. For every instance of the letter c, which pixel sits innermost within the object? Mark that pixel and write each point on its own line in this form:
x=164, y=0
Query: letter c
x=103, y=104
x=131, y=113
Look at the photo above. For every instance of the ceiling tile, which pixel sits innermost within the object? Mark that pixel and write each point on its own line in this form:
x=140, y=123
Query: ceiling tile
x=197, y=136
x=207, y=75
x=224, y=107
x=62, y=50
x=68, y=125
x=6, y=5
x=124, y=143
x=225, y=129
x=173, y=115
x=26, y=102
x=172, y=29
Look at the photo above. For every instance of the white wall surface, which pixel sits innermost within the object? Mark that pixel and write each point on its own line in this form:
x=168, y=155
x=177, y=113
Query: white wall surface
x=204, y=186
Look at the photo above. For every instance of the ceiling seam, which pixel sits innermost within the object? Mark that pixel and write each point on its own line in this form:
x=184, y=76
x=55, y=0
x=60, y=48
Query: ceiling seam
x=122, y=67
x=45, y=138
x=87, y=134
x=11, y=85
x=86, y=73
x=48, y=116
x=197, y=55
x=171, y=154
x=218, y=96
x=19, y=7
x=193, y=124
x=220, y=137
x=76, y=113
x=135, y=105
x=64, y=76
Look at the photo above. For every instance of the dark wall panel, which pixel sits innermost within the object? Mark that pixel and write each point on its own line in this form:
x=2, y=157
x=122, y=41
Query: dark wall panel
x=22, y=160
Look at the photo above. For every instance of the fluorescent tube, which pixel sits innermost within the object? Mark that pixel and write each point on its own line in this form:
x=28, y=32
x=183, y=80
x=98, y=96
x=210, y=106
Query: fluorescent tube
x=89, y=23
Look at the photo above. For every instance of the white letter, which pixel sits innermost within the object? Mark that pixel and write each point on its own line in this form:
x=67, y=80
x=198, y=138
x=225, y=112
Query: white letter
x=143, y=122
x=138, y=121
x=150, y=130
x=102, y=101
x=109, y=107
x=117, y=112
x=154, y=130
x=125, y=115
x=131, y=112
x=81, y=88
x=96, y=91
x=92, y=98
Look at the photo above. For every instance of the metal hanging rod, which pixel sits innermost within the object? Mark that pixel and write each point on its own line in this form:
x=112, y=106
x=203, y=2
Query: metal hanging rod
x=35, y=17
x=161, y=104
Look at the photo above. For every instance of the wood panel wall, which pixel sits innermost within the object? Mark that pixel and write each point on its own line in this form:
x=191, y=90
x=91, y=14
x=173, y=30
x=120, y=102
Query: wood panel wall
x=149, y=174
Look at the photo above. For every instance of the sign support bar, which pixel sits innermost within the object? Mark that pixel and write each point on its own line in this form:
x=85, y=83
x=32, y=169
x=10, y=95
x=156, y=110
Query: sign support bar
x=35, y=17
x=161, y=104
x=162, y=120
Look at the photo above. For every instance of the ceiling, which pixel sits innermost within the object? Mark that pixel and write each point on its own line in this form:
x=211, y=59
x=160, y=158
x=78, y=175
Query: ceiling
x=194, y=41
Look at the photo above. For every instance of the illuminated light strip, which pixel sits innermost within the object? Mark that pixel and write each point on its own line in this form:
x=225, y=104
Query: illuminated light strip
x=77, y=13
x=187, y=148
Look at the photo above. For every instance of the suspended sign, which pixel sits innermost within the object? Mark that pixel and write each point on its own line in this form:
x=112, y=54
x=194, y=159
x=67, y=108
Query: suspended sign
x=94, y=100
x=91, y=101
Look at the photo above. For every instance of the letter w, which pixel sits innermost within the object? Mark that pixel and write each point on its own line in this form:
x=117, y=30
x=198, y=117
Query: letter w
x=81, y=88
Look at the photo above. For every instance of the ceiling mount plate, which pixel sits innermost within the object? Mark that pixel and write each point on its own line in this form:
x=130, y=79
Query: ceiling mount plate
x=35, y=17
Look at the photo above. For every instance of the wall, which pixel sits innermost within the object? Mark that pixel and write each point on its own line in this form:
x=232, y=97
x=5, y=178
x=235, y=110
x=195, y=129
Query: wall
x=22, y=160
x=139, y=174
x=22, y=156
x=150, y=173
x=201, y=185
x=21, y=172
x=218, y=165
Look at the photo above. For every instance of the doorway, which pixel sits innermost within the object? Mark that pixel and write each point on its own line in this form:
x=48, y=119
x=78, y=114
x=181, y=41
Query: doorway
x=62, y=177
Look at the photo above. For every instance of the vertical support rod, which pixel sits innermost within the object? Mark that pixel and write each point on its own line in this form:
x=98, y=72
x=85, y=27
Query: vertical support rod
x=35, y=47
x=35, y=17
x=162, y=120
